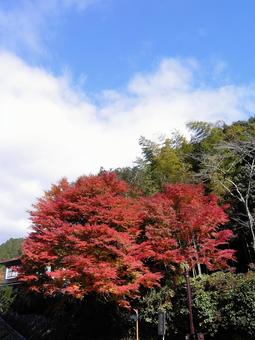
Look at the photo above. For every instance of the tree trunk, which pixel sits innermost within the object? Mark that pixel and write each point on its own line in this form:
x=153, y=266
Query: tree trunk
x=251, y=226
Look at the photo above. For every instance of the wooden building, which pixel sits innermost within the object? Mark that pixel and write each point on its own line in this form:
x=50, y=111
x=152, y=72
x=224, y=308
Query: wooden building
x=10, y=271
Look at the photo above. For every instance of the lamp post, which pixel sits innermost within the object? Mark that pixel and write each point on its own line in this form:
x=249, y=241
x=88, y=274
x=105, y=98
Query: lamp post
x=162, y=324
x=137, y=323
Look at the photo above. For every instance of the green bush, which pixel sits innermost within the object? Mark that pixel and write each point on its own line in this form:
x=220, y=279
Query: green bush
x=6, y=298
x=223, y=305
x=225, y=302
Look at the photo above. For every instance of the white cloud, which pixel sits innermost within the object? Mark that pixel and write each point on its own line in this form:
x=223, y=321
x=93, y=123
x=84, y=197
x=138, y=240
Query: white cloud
x=172, y=75
x=48, y=131
x=29, y=24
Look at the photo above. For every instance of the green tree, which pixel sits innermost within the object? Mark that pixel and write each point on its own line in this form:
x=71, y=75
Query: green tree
x=223, y=158
x=161, y=163
x=11, y=248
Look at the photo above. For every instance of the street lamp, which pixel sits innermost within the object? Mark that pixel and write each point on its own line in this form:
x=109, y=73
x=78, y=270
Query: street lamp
x=162, y=324
x=136, y=322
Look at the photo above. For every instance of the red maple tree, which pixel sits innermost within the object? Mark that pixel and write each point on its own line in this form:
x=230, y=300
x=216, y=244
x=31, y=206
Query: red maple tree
x=183, y=226
x=84, y=241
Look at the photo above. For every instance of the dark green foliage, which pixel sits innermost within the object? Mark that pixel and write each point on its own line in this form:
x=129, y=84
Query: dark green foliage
x=149, y=305
x=6, y=298
x=154, y=300
x=55, y=318
x=11, y=248
x=223, y=306
x=225, y=303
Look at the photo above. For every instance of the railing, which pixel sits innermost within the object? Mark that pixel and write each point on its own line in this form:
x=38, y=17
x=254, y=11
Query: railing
x=9, y=333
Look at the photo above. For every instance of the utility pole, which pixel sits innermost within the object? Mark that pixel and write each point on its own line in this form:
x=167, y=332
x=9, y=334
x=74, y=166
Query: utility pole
x=189, y=298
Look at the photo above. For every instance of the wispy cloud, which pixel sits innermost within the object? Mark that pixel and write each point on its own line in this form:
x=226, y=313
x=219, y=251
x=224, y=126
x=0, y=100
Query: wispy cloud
x=48, y=131
x=27, y=25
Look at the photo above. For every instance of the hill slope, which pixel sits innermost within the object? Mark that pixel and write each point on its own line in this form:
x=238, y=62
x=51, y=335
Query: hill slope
x=11, y=248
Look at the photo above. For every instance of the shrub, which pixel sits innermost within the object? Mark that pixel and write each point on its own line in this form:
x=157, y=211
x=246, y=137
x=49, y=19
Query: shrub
x=6, y=298
x=225, y=302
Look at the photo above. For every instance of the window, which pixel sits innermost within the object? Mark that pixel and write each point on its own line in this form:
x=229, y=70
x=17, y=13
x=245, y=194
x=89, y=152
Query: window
x=11, y=273
x=48, y=268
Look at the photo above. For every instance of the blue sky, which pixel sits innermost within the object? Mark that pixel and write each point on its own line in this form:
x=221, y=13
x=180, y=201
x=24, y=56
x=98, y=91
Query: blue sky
x=106, y=41
x=82, y=80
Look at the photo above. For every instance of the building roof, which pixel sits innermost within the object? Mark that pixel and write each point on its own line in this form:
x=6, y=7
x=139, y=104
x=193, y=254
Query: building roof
x=13, y=261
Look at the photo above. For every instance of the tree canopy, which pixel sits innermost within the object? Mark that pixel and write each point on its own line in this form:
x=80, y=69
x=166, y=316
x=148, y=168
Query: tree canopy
x=93, y=237
x=86, y=233
x=184, y=226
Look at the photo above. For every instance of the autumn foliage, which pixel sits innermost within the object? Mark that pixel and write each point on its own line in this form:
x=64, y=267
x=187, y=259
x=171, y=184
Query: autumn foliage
x=92, y=237
x=86, y=232
x=182, y=226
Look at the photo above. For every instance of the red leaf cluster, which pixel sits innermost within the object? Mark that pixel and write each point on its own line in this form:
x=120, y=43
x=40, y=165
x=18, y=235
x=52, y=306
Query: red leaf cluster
x=182, y=227
x=86, y=232
x=92, y=237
